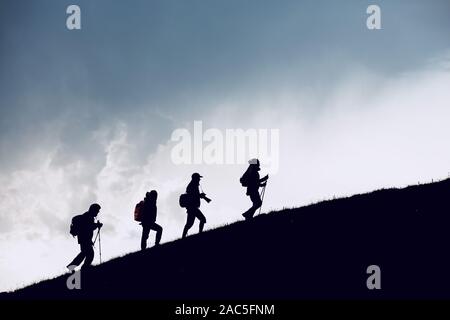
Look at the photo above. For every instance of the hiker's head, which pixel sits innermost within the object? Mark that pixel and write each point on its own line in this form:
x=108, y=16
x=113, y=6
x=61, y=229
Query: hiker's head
x=196, y=177
x=152, y=195
x=254, y=163
x=94, y=209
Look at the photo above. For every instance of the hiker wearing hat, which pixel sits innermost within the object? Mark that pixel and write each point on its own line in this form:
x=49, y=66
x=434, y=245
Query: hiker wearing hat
x=251, y=180
x=193, y=208
x=148, y=221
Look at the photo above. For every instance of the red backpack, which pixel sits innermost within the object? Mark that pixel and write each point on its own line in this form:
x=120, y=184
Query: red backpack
x=139, y=212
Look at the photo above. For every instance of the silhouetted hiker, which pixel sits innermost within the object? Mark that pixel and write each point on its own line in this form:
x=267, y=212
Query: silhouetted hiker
x=193, y=204
x=251, y=180
x=83, y=227
x=148, y=219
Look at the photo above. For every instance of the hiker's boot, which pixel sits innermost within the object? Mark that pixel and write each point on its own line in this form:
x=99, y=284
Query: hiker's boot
x=71, y=267
x=247, y=215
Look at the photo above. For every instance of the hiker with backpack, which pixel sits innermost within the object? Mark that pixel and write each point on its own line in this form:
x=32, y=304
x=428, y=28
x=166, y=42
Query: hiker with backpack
x=145, y=212
x=253, y=182
x=191, y=201
x=83, y=227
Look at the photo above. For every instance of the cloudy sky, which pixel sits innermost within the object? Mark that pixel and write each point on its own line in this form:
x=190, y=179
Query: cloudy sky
x=87, y=115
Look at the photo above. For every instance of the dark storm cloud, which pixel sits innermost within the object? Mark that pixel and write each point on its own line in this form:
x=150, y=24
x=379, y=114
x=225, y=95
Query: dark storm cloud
x=152, y=62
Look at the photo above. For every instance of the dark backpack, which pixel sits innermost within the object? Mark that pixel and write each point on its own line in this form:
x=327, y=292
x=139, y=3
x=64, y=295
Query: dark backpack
x=244, y=180
x=139, y=211
x=185, y=200
x=76, y=225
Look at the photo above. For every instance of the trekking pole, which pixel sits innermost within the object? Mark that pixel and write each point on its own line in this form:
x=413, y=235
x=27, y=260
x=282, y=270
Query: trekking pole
x=99, y=245
x=263, y=192
x=96, y=236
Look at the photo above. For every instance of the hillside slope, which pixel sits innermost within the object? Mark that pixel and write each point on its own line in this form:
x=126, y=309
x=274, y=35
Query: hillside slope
x=318, y=251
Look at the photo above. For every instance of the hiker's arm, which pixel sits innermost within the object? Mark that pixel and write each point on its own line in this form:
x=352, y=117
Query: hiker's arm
x=264, y=179
x=204, y=197
x=97, y=225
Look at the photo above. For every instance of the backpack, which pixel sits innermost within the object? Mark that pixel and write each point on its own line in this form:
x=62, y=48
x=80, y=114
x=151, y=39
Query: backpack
x=138, y=211
x=185, y=200
x=76, y=225
x=244, y=179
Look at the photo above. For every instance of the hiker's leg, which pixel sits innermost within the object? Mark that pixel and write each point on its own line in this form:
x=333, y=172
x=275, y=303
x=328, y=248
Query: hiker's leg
x=202, y=220
x=144, y=237
x=158, y=230
x=78, y=259
x=89, y=252
x=256, y=199
x=189, y=223
x=247, y=213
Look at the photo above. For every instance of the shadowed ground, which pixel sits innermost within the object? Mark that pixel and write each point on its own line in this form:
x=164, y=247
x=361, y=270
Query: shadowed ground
x=318, y=251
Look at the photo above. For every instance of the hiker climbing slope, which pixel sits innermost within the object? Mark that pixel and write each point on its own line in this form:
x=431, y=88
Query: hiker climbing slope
x=193, y=204
x=83, y=227
x=148, y=219
x=253, y=182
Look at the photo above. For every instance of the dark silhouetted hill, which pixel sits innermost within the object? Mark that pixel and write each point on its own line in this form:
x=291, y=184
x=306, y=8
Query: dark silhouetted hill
x=318, y=251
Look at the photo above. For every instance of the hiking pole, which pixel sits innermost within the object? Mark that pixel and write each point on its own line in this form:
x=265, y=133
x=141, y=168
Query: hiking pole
x=96, y=236
x=99, y=245
x=263, y=192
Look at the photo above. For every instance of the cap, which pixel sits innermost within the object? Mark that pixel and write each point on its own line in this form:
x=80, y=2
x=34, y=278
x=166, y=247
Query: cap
x=196, y=175
x=253, y=161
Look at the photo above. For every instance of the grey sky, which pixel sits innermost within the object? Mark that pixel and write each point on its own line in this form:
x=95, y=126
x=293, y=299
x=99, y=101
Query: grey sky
x=184, y=56
x=84, y=114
